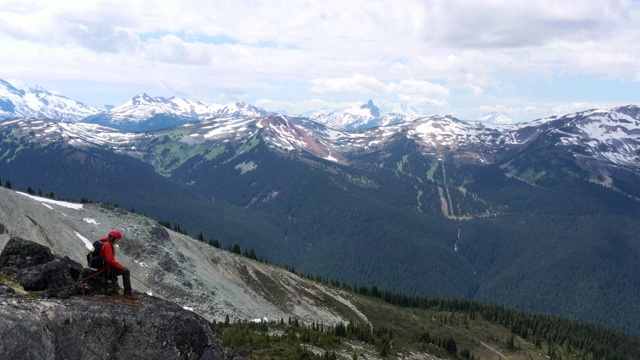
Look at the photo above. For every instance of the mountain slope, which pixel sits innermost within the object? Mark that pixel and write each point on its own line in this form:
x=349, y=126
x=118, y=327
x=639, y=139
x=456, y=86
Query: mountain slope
x=358, y=118
x=437, y=206
x=34, y=101
x=217, y=284
x=169, y=264
x=146, y=113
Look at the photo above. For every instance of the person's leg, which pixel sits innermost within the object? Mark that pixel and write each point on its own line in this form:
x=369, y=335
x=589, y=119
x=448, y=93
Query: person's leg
x=126, y=279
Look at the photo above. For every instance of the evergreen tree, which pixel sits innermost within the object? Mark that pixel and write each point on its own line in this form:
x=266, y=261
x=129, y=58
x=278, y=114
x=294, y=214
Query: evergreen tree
x=511, y=343
x=236, y=249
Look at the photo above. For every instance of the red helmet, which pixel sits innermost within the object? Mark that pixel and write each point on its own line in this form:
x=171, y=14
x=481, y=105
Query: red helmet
x=116, y=234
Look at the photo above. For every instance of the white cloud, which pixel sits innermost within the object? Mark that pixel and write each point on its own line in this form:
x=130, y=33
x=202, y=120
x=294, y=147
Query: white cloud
x=412, y=92
x=520, y=23
x=357, y=84
x=305, y=106
x=443, y=54
x=101, y=37
x=532, y=112
x=569, y=108
x=173, y=50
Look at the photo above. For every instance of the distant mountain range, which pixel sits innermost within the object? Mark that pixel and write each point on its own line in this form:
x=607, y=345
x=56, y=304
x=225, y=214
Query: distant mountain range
x=141, y=113
x=542, y=216
x=358, y=118
x=34, y=101
x=147, y=113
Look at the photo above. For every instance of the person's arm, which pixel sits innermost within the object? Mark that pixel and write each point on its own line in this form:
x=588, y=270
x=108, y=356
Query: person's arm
x=107, y=252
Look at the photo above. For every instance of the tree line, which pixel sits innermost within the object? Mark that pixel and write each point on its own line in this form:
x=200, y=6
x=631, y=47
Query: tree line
x=587, y=338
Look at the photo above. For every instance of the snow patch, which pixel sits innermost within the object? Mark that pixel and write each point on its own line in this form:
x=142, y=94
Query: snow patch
x=246, y=167
x=46, y=201
x=86, y=241
x=141, y=263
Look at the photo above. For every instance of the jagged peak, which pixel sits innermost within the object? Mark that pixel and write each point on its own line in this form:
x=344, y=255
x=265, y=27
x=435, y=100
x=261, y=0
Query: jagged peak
x=12, y=88
x=144, y=98
x=374, y=110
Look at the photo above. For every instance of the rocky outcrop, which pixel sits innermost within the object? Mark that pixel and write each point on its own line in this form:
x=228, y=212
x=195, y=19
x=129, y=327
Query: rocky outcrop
x=35, y=268
x=50, y=323
x=20, y=253
x=215, y=283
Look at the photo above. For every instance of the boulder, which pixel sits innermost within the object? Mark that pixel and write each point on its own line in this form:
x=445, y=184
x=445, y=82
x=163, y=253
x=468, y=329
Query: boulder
x=104, y=327
x=21, y=253
x=58, y=325
x=35, y=268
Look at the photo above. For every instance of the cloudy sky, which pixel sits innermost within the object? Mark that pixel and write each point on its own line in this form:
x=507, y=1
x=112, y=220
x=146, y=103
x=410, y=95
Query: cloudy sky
x=528, y=59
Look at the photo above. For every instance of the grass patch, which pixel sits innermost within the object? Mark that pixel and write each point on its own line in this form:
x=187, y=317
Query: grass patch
x=8, y=281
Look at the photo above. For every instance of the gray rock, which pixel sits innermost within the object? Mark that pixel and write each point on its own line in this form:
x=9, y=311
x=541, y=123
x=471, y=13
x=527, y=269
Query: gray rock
x=214, y=283
x=92, y=326
x=58, y=277
x=32, y=278
x=6, y=290
x=21, y=253
x=62, y=277
x=102, y=327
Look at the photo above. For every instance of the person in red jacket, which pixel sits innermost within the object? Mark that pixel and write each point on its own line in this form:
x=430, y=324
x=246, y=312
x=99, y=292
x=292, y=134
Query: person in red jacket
x=113, y=267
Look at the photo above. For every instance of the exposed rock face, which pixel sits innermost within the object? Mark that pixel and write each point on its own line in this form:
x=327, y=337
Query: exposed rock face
x=214, y=283
x=35, y=268
x=90, y=326
x=20, y=253
x=99, y=327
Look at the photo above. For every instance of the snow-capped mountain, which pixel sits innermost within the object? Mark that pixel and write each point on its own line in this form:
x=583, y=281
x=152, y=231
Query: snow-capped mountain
x=524, y=181
x=143, y=106
x=34, y=101
x=146, y=113
x=360, y=117
x=610, y=136
x=604, y=136
x=496, y=118
x=141, y=113
x=239, y=110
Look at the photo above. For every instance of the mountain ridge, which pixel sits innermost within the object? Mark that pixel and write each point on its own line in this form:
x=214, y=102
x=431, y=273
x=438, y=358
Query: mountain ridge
x=358, y=118
x=167, y=112
x=34, y=101
x=145, y=113
x=539, y=215
x=173, y=271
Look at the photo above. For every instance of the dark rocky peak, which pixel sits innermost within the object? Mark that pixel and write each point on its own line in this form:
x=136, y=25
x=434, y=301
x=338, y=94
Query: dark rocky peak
x=62, y=317
x=630, y=110
x=374, y=110
x=146, y=99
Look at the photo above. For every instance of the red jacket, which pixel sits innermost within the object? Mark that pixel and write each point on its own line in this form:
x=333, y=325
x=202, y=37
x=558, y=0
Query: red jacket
x=107, y=254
